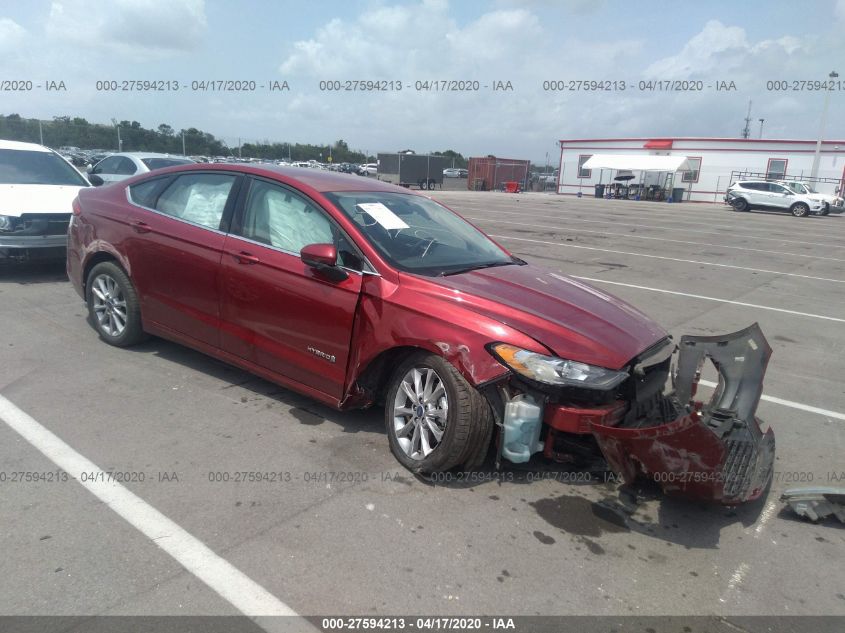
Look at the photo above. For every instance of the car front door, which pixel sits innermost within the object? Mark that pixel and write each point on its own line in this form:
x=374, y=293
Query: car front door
x=779, y=196
x=176, y=233
x=278, y=312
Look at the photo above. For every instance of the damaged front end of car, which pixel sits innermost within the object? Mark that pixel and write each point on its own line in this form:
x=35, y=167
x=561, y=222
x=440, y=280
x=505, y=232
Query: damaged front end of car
x=712, y=450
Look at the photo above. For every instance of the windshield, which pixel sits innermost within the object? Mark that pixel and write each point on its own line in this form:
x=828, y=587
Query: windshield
x=22, y=167
x=800, y=187
x=161, y=163
x=418, y=235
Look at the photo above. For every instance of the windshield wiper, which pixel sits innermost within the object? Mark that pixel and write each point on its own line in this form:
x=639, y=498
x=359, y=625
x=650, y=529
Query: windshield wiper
x=514, y=261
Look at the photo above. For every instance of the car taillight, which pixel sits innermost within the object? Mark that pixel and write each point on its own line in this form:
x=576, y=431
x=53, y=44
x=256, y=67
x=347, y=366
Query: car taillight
x=77, y=208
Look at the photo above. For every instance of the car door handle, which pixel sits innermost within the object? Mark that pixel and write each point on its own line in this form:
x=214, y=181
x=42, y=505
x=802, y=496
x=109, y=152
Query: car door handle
x=140, y=226
x=245, y=258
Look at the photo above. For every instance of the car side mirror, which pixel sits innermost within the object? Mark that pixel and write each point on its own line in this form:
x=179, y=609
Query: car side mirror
x=95, y=180
x=323, y=259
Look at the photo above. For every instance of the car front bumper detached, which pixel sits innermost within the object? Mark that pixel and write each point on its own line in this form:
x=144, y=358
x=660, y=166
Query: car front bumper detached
x=707, y=449
x=713, y=450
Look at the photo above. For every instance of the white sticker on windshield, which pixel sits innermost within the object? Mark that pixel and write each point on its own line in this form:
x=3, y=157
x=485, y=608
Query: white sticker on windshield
x=383, y=215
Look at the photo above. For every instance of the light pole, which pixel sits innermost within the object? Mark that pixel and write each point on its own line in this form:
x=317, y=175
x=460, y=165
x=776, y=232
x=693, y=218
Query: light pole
x=817, y=156
x=761, y=127
x=119, y=140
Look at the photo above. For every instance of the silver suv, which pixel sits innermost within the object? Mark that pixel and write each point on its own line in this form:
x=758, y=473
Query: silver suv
x=761, y=194
x=830, y=203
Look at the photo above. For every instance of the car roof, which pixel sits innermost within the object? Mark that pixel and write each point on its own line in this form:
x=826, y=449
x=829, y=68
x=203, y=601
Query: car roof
x=317, y=179
x=28, y=147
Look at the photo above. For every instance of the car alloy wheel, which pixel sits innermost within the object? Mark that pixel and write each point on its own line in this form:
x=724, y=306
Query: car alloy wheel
x=420, y=412
x=740, y=204
x=799, y=210
x=435, y=420
x=109, y=305
x=113, y=305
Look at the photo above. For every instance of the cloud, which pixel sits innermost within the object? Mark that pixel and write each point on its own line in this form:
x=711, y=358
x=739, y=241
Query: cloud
x=131, y=28
x=12, y=35
x=720, y=50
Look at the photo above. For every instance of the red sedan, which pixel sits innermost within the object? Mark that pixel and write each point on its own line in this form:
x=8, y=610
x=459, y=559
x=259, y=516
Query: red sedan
x=356, y=292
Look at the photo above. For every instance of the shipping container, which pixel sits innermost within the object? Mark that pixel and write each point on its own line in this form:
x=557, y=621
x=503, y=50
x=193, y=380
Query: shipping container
x=490, y=173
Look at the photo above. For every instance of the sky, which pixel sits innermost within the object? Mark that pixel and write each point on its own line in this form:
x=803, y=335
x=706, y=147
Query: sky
x=508, y=43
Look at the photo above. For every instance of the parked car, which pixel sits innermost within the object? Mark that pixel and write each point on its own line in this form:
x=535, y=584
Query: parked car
x=830, y=203
x=121, y=166
x=356, y=292
x=744, y=195
x=451, y=172
x=37, y=187
x=368, y=169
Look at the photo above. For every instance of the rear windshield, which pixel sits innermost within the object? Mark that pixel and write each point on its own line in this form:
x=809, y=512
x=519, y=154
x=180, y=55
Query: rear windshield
x=22, y=167
x=161, y=163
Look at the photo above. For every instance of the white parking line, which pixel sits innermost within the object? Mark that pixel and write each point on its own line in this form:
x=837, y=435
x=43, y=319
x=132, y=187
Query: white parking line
x=789, y=403
x=613, y=215
x=569, y=218
x=659, y=239
x=674, y=259
x=692, y=296
x=229, y=583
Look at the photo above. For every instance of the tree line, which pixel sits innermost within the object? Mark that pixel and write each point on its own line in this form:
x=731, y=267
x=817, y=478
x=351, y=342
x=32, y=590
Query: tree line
x=68, y=131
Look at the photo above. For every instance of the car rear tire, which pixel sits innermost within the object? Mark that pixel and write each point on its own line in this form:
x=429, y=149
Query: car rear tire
x=740, y=204
x=113, y=305
x=435, y=419
x=800, y=210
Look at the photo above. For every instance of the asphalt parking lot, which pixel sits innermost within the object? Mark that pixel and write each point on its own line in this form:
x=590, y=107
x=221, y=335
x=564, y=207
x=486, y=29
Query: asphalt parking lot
x=378, y=541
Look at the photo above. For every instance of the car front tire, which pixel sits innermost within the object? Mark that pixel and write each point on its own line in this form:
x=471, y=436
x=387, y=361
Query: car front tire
x=800, y=210
x=113, y=305
x=435, y=419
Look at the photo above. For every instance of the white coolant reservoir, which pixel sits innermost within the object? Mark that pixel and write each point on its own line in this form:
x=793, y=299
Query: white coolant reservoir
x=523, y=420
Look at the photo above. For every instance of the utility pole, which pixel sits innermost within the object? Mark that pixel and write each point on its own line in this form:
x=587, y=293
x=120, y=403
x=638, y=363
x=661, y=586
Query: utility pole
x=746, y=131
x=817, y=156
x=761, y=127
x=239, y=148
x=40, y=133
x=184, y=153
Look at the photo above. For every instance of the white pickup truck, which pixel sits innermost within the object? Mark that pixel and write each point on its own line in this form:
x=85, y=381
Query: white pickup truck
x=832, y=203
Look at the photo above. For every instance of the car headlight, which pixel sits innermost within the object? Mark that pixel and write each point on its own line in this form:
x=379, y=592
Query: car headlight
x=552, y=370
x=7, y=222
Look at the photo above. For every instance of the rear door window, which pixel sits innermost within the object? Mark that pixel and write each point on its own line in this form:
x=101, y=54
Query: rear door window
x=197, y=198
x=146, y=193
